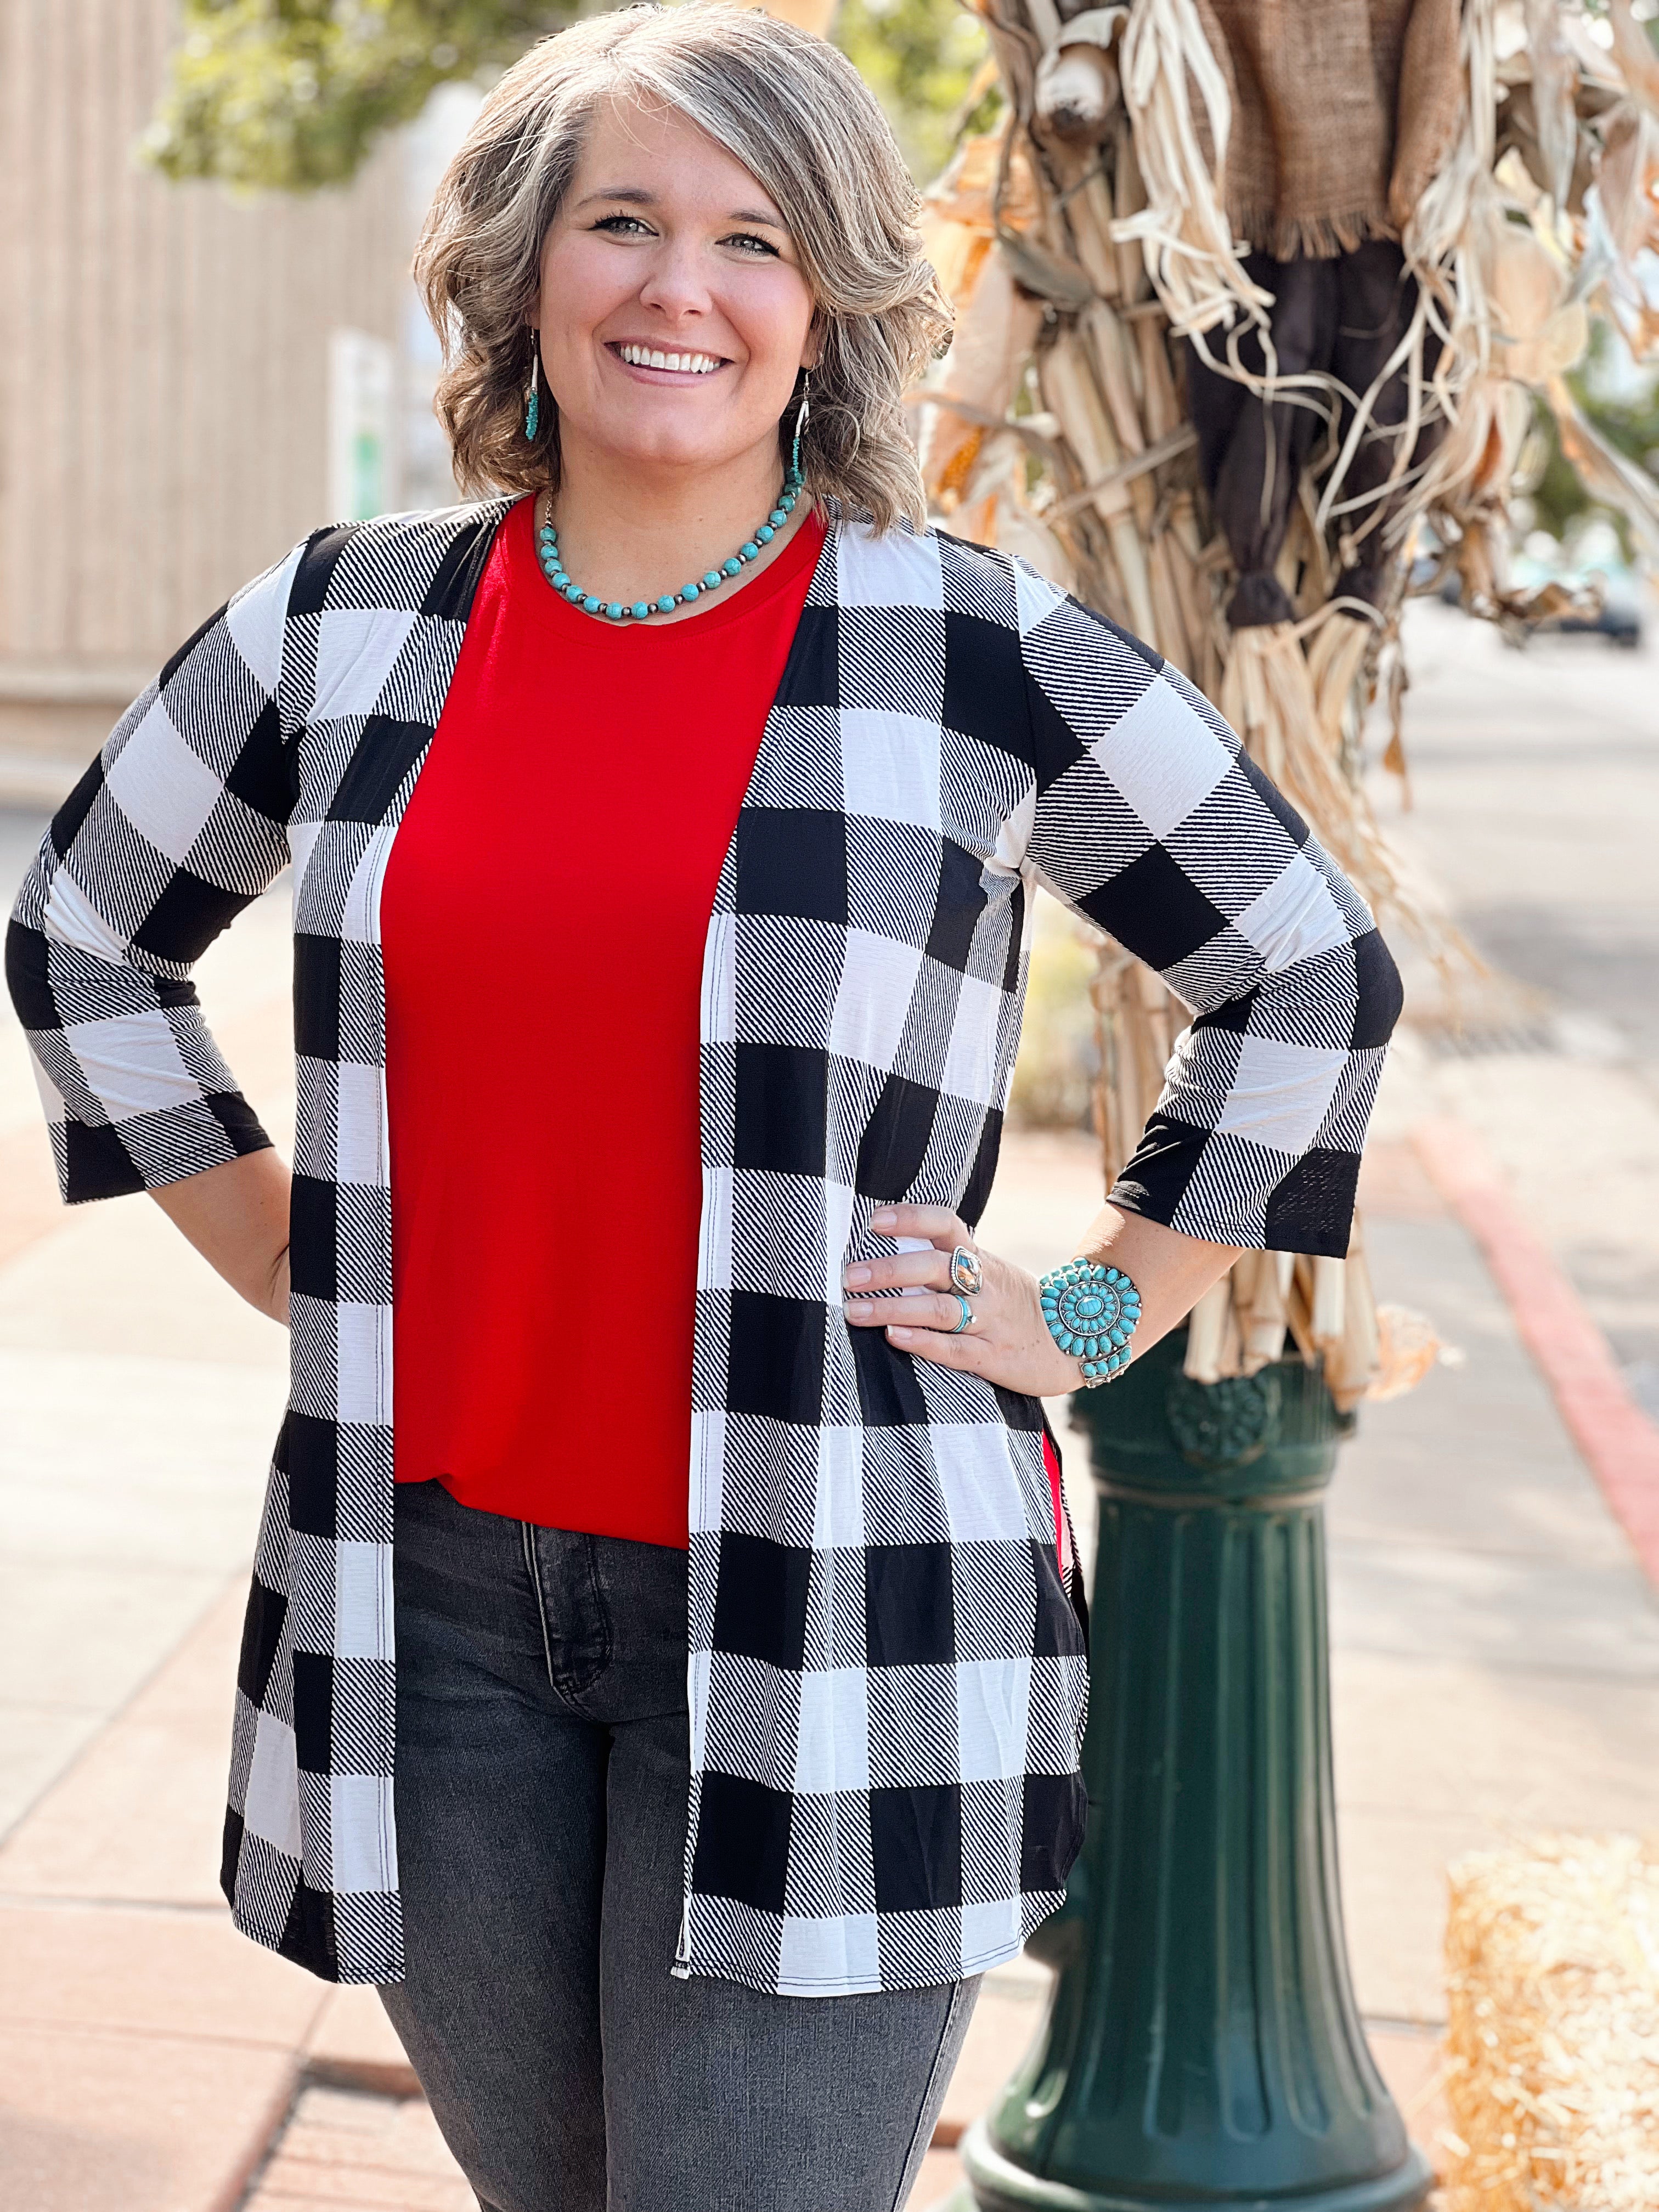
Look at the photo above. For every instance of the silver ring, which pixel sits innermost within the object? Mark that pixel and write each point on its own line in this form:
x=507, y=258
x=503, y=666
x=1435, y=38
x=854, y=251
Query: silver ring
x=967, y=1315
x=967, y=1275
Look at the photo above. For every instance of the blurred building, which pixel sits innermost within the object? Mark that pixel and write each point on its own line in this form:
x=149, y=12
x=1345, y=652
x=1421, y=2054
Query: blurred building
x=190, y=382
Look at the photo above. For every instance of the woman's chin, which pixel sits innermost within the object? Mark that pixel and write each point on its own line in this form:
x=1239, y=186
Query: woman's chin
x=626, y=447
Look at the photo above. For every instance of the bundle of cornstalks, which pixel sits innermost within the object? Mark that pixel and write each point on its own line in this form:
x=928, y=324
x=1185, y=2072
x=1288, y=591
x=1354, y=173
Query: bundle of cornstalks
x=1085, y=245
x=1552, y=2078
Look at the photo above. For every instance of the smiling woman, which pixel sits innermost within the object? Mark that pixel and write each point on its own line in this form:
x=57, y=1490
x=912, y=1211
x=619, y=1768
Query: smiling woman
x=662, y=281
x=796, y=174
x=683, y=1625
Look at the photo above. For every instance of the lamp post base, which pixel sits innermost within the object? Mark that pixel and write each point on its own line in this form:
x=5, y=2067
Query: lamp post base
x=995, y=2184
x=1203, y=2052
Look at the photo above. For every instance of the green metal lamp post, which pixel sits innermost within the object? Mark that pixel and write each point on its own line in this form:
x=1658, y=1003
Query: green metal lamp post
x=1202, y=2048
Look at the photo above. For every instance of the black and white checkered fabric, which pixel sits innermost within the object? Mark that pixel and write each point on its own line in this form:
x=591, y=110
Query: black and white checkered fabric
x=887, y=1679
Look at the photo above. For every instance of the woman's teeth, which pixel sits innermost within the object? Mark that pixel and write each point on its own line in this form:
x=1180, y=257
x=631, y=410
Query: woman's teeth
x=698, y=364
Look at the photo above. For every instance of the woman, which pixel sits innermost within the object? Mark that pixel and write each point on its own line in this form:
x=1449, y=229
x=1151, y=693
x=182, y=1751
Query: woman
x=661, y=880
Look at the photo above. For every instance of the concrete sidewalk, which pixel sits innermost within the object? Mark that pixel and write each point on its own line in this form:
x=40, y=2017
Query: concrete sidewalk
x=1496, y=1667
x=1536, y=778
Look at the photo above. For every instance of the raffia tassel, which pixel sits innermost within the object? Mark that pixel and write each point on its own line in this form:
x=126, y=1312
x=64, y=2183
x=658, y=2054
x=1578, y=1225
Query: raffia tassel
x=1298, y=1308
x=1328, y=1302
x=1182, y=227
x=1206, y=1334
x=1353, y=1363
x=1336, y=654
x=1264, y=1319
x=1231, y=1360
x=1240, y=1325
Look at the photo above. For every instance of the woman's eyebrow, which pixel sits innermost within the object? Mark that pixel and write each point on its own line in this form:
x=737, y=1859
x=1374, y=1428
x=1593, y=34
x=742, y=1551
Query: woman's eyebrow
x=636, y=196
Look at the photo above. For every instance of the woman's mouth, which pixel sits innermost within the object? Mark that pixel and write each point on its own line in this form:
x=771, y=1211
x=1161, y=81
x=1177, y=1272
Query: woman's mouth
x=674, y=364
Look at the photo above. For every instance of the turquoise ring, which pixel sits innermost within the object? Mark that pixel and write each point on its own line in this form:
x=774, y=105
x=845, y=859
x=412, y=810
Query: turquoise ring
x=967, y=1315
x=967, y=1275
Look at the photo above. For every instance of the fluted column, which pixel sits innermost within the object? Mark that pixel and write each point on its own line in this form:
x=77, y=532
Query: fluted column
x=1203, y=2047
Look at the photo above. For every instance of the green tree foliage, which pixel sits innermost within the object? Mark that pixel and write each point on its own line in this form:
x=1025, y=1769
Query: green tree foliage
x=923, y=60
x=1625, y=408
x=292, y=95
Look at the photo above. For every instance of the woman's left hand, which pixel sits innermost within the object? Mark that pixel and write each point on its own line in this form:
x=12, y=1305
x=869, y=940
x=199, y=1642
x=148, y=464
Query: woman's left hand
x=1007, y=1341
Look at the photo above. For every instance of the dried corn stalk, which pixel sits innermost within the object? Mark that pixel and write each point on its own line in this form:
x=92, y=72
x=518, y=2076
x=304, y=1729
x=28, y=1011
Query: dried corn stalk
x=1552, y=2033
x=1083, y=243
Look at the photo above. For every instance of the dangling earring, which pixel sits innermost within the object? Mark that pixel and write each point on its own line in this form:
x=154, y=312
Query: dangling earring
x=532, y=413
x=796, y=477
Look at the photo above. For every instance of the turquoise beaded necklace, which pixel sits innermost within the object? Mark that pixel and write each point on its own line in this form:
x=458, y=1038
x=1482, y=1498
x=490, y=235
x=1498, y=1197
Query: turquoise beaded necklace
x=616, y=610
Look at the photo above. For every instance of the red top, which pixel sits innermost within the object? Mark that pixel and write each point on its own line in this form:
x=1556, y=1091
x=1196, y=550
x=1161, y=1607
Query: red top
x=551, y=882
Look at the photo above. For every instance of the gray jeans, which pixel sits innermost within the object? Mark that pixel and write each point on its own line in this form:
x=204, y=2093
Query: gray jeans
x=541, y=1794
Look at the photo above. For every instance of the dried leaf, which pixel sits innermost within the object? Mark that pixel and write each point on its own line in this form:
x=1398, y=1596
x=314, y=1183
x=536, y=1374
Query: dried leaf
x=1554, y=96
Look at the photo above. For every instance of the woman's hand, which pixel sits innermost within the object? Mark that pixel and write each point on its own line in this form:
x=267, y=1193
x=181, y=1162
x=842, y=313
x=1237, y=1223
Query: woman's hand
x=1008, y=1341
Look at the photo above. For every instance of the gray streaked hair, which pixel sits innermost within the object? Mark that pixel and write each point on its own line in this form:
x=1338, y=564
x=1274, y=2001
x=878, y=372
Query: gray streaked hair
x=794, y=111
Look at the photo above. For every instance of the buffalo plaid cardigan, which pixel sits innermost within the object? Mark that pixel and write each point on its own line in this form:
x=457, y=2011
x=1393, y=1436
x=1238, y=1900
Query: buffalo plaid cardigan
x=887, y=1681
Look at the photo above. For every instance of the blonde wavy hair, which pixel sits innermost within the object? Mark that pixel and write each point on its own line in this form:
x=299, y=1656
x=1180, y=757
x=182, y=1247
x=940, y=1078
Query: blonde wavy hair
x=797, y=114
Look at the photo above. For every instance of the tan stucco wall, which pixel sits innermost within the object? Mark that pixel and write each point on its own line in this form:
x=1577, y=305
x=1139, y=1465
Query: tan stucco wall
x=163, y=370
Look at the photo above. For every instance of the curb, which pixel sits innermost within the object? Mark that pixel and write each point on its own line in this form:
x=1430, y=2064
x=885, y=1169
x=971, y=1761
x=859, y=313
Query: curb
x=234, y=2191
x=1618, y=1441
x=368, y=2077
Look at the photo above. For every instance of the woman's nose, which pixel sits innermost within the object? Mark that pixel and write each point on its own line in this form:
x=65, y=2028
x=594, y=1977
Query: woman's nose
x=674, y=285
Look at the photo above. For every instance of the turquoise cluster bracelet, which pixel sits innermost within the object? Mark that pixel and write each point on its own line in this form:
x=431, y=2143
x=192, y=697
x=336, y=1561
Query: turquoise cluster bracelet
x=1091, y=1310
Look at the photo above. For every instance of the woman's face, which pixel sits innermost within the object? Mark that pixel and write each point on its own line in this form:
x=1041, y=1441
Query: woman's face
x=666, y=244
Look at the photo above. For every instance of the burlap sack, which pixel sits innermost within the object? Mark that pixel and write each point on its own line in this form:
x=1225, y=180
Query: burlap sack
x=1343, y=110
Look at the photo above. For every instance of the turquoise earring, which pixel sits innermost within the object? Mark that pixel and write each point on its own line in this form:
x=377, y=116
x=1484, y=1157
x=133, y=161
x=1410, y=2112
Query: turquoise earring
x=532, y=413
x=795, y=475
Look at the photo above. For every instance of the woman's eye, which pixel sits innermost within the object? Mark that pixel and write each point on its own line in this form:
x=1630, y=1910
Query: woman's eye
x=629, y=225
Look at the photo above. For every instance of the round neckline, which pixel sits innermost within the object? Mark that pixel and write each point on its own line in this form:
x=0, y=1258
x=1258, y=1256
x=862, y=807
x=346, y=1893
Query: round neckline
x=589, y=633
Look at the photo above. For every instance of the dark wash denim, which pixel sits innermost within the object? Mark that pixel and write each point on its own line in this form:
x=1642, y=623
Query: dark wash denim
x=543, y=1766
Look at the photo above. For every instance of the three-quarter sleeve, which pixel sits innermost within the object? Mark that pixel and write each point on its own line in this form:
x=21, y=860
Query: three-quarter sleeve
x=1150, y=822
x=179, y=823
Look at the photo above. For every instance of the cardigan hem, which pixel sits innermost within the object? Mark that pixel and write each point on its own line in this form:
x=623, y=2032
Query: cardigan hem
x=814, y=1985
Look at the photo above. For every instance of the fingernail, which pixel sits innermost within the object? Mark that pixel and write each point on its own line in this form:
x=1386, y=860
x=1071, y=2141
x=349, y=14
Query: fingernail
x=882, y=1220
x=857, y=1312
x=899, y=1336
x=855, y=1275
